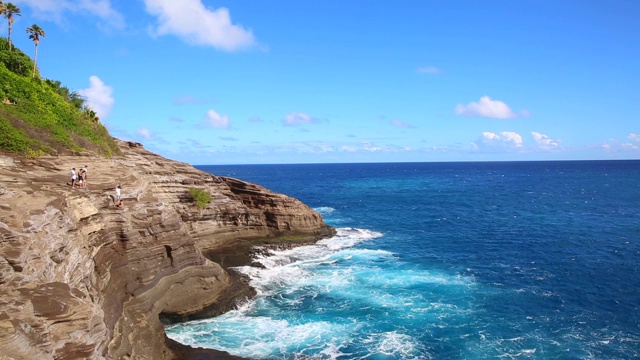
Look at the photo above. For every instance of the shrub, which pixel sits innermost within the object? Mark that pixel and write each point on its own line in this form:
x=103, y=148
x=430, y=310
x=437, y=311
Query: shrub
x=15, y=60
x=200, y=197
x=41, y=116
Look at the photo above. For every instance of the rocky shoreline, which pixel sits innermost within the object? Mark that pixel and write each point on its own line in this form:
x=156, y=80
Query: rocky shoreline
x=83, y=279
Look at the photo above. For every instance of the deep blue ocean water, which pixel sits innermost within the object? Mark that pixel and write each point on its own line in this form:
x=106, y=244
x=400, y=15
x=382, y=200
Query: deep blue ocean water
x=527, y=260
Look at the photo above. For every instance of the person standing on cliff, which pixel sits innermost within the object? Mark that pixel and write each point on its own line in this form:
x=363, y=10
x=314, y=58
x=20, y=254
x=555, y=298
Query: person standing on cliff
x=73, y=177
x=83, y=171
x=118, y=196
x=79, y=180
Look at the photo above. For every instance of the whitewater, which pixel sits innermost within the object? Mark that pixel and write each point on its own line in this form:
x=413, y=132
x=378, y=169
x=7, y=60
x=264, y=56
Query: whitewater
x=445, y=261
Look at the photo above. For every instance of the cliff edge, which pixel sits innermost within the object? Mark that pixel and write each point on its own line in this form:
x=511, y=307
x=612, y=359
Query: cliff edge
x=83, y=279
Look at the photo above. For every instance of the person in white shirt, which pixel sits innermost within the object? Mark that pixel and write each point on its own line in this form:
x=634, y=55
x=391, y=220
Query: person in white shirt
x=73, y=177
x=118, y=196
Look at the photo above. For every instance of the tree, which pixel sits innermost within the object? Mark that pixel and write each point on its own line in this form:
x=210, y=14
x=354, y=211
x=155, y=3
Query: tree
x=35, y=33
x=10, y=11
x=3, y=8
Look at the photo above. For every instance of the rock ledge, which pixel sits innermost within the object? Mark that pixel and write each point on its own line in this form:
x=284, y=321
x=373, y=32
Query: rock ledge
x=83, y=279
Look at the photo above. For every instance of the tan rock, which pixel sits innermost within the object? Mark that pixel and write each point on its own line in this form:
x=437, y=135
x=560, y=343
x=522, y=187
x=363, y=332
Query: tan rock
x=83, y=279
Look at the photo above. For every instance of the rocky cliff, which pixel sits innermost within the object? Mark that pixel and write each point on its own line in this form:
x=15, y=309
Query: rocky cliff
x=83, y=279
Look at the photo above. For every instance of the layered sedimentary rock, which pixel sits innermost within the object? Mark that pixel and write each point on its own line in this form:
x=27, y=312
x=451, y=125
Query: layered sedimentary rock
x=83, y=279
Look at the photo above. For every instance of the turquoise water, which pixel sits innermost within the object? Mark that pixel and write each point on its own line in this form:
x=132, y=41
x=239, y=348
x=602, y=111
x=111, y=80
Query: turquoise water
x=527, y=260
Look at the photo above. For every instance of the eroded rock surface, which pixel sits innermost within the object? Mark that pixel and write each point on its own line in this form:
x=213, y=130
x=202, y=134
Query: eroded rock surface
x=83, y=279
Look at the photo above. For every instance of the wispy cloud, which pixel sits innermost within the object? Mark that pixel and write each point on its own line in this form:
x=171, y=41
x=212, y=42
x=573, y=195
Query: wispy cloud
x=54, y=10
x=428, y=70
x=227, y=138
x=196, y=24
x=195, y=144
x=145, y=133
x=98, y=96
x=615, y=146
x=297, y=119
x=486, y=107
x=216, y=120
x=401, y=124
x=544, y=142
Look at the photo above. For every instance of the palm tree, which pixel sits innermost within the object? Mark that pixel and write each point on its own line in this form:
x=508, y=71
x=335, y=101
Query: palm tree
x=3, y=8
x=35, y=32
x=9, y=10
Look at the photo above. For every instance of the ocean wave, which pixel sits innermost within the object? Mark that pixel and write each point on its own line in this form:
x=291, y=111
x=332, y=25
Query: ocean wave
x=324, y=210
x=349, y=237
x=266, y=336
x=396, y=345
x=289, y=267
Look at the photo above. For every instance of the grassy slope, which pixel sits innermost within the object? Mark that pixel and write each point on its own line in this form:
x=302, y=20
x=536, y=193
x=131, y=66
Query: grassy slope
x=36, y=118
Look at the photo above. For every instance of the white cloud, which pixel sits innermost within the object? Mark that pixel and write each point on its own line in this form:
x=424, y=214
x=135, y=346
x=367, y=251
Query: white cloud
x=98, y=97
x=145, y=133
x=428, y=70
x=216, y=120
x=196, y=24
x=401, y=124
x=504, y=140
x=486, y=107
x=196, y=144
x=370, y=147
x=54, y=10
x=296, y=119
x=544, y=142
x=615, y=146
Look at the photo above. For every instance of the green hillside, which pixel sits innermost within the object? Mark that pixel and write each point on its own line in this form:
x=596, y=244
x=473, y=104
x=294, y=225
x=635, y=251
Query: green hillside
x=40, y=116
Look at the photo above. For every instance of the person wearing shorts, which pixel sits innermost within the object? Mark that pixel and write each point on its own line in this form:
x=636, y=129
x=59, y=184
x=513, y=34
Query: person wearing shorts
x=83, y=172
x=73, y=177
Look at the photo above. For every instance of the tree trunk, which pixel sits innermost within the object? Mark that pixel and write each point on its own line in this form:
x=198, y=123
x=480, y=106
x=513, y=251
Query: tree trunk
x=35, y=61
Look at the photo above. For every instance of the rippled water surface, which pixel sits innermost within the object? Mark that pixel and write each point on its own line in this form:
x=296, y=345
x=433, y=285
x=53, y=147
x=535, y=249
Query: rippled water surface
x=530, y=260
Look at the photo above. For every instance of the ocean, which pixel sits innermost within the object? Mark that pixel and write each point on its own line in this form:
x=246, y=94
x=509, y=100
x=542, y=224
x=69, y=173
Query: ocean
x=483, y=260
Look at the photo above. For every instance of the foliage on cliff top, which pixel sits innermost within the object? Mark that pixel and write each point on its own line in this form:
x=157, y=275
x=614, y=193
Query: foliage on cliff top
x=40, y=116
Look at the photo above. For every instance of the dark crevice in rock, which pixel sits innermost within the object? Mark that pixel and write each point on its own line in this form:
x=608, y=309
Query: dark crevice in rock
x=168, y=249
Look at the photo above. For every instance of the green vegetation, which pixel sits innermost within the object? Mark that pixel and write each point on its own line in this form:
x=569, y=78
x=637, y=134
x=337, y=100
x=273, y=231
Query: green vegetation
x=40, y=116
x=200, y=197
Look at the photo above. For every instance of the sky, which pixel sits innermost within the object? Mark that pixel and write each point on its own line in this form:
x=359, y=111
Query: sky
x=326, y=81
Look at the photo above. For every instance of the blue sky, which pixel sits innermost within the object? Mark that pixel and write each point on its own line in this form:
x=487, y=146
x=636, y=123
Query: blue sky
x=250, y=82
